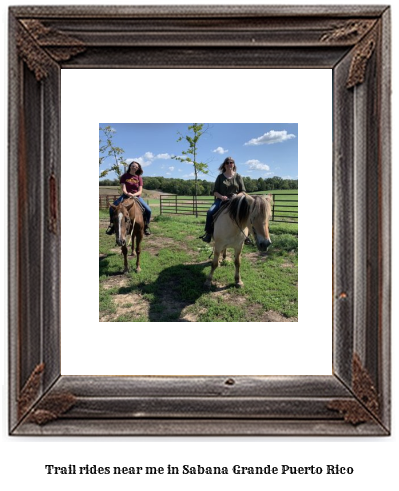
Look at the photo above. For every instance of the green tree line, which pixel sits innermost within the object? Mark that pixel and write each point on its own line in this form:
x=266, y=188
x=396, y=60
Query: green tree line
x=183, y=187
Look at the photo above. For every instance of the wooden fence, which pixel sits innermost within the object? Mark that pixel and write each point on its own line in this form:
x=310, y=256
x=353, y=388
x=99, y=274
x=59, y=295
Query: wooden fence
x=284, y=209
x=106, y=200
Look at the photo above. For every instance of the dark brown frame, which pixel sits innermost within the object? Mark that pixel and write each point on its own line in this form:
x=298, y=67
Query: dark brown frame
x=353, y=41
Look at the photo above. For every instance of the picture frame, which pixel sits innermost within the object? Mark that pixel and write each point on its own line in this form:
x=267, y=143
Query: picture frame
x=352, y=41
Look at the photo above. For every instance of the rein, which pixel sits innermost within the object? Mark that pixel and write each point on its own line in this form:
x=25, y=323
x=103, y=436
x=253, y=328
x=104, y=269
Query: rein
x=131, y=234
x=128, y=221
x=134, y=222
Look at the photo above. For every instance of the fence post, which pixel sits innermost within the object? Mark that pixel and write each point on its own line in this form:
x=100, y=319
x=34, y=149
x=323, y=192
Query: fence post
x=176, y=204
x=160, y=204
x=274, y=204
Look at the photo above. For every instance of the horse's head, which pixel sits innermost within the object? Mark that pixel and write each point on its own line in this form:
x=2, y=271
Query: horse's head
x=259, y=217
x=122, y=221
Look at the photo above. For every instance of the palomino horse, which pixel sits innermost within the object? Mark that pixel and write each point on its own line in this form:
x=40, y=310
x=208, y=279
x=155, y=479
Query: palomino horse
x=128, y=221
x=231, y=229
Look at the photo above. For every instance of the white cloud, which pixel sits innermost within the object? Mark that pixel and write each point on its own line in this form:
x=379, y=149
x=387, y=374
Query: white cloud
x=271, y=137
x=141, y=160
x=220, y=150
x=148, y=158
x=171, y=169
x=256, y=165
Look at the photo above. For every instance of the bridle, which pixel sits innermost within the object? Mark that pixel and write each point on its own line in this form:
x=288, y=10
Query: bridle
x=128, y=222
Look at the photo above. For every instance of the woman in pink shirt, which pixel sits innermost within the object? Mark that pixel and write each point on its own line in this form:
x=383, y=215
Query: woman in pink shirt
x=132, y=186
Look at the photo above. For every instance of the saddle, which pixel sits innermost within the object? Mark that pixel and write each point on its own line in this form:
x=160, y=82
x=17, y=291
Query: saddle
x=137, y=202
x=224, y=205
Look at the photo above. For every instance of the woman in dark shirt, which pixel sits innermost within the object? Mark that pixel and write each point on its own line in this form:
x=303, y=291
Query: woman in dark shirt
x=227, y=184
x=132, y=186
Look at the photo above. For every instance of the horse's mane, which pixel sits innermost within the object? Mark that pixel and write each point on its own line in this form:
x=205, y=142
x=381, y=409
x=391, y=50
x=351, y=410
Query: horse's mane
x=239, y=208
x=129, y=203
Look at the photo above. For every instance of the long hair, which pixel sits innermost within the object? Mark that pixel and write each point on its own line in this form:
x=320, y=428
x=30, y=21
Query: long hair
x=222, y=168
x=139, y=171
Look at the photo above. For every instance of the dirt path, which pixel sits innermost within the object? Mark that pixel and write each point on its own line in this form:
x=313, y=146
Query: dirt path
x=135, y=305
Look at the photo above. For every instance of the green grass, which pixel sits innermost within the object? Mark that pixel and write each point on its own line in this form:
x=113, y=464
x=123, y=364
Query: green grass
x=175, y=264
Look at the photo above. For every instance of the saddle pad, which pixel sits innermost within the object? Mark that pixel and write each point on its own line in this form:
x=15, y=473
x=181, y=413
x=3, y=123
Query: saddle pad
x=223, y=206
x=138, y=203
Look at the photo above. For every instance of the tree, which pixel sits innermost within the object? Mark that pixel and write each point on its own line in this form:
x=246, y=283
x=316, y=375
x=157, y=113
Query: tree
x=250, y=184
x=261, y=184
x=108, y=149
x=190, y=155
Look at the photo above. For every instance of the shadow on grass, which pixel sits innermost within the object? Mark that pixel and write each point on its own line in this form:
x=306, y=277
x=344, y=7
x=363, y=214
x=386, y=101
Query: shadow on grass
x=176, y=288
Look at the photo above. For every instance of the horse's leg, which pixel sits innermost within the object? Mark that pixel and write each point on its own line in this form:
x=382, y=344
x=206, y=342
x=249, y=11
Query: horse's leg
x=124, y=252
x=139, y=238
x=224, y=254
x=215, y=264
x=132, y=252
x=237, y=263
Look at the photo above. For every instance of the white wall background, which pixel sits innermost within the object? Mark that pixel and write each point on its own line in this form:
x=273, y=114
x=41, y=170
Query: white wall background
x=277, y=96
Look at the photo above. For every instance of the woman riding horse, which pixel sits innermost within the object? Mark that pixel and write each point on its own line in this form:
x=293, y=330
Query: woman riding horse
x=227, y=184
x=132, y=187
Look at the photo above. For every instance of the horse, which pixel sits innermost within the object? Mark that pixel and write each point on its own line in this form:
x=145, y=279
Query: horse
x=128, y=221
x=231, y=229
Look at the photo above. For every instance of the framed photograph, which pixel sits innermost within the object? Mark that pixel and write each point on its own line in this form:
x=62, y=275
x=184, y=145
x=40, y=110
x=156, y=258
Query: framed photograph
x=353, y=42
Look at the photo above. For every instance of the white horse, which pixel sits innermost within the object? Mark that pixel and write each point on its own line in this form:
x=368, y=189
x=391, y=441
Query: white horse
x=231, y=229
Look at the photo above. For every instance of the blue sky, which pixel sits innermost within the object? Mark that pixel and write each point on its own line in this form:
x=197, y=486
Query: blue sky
x=259, y=150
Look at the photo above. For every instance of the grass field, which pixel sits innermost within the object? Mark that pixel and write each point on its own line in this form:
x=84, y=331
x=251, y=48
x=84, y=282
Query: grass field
x=175, y=264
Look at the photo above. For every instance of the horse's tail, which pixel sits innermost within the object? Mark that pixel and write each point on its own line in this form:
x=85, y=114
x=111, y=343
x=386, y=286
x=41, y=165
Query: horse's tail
x=239, y=210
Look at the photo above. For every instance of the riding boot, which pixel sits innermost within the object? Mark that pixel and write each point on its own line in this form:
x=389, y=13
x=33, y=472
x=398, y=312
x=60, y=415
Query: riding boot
x=147, y=230
x=110, y=230
x=207, y=237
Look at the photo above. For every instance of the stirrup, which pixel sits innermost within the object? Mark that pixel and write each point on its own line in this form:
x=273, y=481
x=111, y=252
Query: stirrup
x=206, y=237
x=248, y=241
x=110, y=230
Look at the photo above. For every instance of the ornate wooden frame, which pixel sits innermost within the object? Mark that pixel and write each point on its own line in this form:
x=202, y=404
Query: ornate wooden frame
x=353, y=41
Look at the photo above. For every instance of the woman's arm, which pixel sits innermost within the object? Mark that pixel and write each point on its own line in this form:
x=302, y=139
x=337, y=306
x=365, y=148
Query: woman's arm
x=131, y=195
x=241, y=185
x=218, y=195
x=217, y=189
x=138, y=194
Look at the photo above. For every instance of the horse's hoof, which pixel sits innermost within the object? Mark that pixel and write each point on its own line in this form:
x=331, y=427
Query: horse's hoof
x=125, y=271
x=138, y=270
x=239, y=284
x=207, y=284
